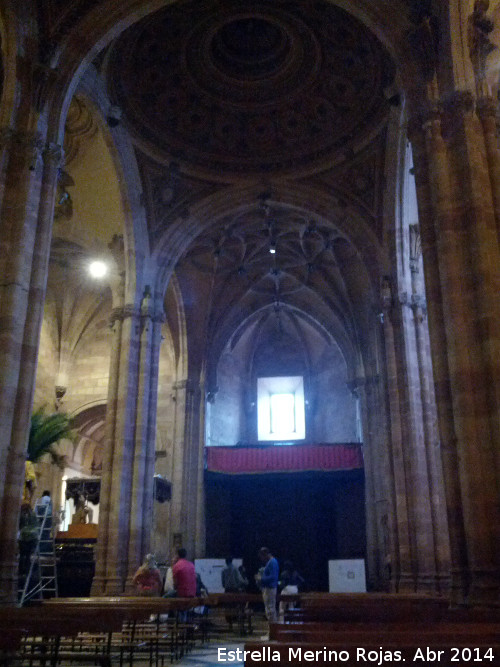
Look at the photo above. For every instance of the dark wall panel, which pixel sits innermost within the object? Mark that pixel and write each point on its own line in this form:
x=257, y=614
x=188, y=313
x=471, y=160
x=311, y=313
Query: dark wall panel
x=308, y=518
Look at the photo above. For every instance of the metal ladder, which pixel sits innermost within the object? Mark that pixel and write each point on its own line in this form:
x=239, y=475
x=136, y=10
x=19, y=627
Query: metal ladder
x=41, y=580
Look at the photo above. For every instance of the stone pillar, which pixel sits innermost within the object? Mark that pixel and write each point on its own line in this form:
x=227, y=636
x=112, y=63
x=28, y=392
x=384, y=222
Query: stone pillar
x=462, y=266
x=423, y=547
x=441, y=374
x=25, y=235
x=125, y=518
x=187, y=482
x=438, y=524
x=403, y=569
x=378, y=546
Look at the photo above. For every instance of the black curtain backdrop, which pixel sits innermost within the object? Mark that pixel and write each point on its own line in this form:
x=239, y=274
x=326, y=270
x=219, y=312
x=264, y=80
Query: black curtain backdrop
x=308, y=518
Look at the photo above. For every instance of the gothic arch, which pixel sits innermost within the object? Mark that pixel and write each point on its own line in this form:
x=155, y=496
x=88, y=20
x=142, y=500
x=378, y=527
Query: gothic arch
x=136, y=249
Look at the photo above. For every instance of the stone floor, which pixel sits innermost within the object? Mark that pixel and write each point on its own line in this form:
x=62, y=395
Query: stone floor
x=207, y=655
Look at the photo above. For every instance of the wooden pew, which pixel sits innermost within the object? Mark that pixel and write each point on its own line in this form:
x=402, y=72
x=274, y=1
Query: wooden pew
x=172, y=637
x=368, y=607
x=314, y=632
x=99, y=629
x=392, y=628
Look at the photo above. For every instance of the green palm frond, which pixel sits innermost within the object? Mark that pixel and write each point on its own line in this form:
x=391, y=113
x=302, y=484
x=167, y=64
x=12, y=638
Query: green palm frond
x=45, y=432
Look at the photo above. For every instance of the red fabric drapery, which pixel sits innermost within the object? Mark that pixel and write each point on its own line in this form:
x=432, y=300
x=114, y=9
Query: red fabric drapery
x=284, y=458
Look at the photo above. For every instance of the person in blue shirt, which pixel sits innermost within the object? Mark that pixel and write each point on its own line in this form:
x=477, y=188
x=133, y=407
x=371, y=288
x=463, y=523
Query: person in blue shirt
x=267, y=580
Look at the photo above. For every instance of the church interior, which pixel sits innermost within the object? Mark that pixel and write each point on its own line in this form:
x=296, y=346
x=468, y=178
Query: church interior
x=250, y=249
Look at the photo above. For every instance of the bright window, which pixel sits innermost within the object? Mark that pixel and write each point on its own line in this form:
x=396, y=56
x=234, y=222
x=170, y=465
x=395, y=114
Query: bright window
x=280, y=408
x=282, y=413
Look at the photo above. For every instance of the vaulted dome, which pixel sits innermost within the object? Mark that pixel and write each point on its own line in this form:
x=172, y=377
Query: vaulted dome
x=251, y=87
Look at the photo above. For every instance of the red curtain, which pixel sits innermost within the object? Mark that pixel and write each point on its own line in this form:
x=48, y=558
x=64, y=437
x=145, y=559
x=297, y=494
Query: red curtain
x=284, y=458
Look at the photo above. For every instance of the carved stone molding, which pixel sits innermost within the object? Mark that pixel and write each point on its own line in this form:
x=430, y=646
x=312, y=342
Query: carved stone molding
x=415, y=248
x=124, y=312
x=189, y=385
x=53, y=155
x=168, y=194
x=487, y=107
x=80, y=126
x=386, y=300
x=418, y=304
x=423, y=39
x=29, y=145
x=478, y=30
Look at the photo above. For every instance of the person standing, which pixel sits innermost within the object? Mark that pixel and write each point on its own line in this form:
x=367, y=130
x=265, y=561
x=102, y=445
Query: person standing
x=184, y=576
x=291, y=582
x=232, y=581
x=268, y=582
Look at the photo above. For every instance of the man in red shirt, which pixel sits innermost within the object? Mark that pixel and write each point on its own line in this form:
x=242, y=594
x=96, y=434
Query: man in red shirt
x=184, y=576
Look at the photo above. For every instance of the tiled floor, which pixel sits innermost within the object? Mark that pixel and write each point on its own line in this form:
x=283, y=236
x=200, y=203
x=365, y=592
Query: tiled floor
x=208, y=655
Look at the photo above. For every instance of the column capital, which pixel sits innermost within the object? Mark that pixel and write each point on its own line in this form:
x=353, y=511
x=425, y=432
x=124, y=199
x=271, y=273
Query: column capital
x=419, y=306
x=28, y=145
x=386, y=300
x=460, y=103
x=53, y=154
x=123, y=312
x=487, y=108
x=189, y=385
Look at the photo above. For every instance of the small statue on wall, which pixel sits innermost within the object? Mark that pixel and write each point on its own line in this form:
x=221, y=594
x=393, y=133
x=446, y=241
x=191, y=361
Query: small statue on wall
x=83, y=513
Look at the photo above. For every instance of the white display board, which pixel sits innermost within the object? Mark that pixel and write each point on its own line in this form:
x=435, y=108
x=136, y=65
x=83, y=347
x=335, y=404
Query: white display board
x=210, y=570
x=346, y=576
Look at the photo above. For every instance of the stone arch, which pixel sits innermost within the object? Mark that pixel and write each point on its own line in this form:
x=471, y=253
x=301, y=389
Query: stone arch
x=136, y=249
x=89, y=422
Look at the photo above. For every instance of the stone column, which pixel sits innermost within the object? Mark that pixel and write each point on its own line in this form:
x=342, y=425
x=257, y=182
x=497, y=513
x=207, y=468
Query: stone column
x=403, y=570
x=415, y=449
x=438, y=524
x=462, y=267
x=125, y=518
x=441, y=374
x=187, y=467
x=25, y=235
x=487, y=112
x=377, y=549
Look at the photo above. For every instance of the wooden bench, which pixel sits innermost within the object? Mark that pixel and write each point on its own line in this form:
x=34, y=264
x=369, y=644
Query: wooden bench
x=349, y=629
x=158, y=638
x=96, y=630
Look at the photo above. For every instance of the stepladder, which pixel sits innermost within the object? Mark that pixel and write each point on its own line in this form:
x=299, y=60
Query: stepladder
x=39, y=581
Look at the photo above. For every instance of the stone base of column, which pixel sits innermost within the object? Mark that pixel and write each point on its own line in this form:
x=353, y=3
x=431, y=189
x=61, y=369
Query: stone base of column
x=8, y=583
x=459, y=586
x=406, y=583
x=443, y=582
x=98, y=586
x=129, y=589
x=430, y=583
x=114, y=586
x=485, y=588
